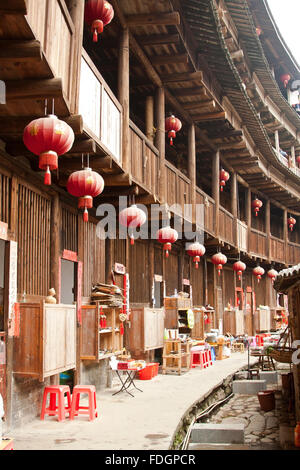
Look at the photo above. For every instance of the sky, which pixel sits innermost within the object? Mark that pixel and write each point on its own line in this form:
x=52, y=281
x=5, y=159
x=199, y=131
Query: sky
x=286, y=14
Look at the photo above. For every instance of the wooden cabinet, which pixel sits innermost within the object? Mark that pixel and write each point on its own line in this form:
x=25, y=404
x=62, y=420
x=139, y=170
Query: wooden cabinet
x=46, y=344
x=172, y=306
x=98, y=342
x=233, y=322
x=146, y=331
x=198, y=330
x=262, y=320
x=176, y=356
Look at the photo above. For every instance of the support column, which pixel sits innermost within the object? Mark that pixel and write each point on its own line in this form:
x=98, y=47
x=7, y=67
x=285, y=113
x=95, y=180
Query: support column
x=160, y=141
x=149, y=118
x=293, y=157
x=277, y=144
x=216, y=188
x=248, y=214
x=55, y=244
x=285, y=235
x=234, y=205
x=268, y=226
x=192, y=167
x=123, y=95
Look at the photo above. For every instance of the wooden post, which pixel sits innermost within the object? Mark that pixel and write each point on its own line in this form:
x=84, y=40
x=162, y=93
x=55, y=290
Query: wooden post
x=192, y=167
x=216, y=188
x=160, y=140
x=123, y=95
x=234, y=205
x=55, y=244
x=76, y=10
x=277, y=144
x=205, y=284
x=248, y=214
x=293, y=156
x=268, y=225
x=108, y=260
x=149, y=118
x=285, y=234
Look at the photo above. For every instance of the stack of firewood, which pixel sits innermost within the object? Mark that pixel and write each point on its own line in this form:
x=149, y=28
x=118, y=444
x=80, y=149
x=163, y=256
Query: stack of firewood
x=109, y=295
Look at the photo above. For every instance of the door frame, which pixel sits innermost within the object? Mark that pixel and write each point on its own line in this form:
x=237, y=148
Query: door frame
x=68, y=255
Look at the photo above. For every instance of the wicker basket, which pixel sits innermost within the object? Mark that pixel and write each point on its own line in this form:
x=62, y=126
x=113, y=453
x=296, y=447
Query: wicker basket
x=282, y=355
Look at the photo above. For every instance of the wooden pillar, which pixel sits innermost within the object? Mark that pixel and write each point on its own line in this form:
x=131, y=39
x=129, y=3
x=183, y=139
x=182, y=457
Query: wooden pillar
x=123, y=95
x=285, y=235
x=149, y=118
x=192, y=167
x=234, y=195
x=248, y=213
x=216, y=188
x=268, y=225
x=76, y=10
x=293, y=156
x=55, y=245
x=277, y=143
x=205, y=283
x=108, y=260
x=160, y=141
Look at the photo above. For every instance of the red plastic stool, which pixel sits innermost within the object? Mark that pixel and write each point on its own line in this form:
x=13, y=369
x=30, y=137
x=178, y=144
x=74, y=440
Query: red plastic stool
x=56, y=407
x=90, y=410
x=197, y=359
x=207, y=359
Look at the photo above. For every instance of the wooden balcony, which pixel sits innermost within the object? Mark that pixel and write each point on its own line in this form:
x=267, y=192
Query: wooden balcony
x=293, y=253
x=242, y=236
x=258, y=243
x=226, y=226
x=178, y=191
x=277, y=249
x=209, y=210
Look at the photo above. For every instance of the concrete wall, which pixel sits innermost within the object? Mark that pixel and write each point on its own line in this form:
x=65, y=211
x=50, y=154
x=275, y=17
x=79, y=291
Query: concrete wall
x=98, y=374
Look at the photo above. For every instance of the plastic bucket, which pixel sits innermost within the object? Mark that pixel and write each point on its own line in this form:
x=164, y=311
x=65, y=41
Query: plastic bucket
x=155, y=366
x=146, y=373
x=266, y=400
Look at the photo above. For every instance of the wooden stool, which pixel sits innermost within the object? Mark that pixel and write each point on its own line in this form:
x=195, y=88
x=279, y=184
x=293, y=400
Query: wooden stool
x=90, y=410
x=59, y=408
x=238, y=347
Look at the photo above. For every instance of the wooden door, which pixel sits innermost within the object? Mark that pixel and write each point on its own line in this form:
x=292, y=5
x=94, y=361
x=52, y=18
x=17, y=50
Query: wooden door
x=89, y=333
x=153, y=329
x=198, y=330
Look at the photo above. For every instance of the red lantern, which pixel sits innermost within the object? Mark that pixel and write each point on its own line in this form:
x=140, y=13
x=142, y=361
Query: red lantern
x=167, y=236
x=196, y=250
x=258, y=31
x=291, y=223
x=172, y=126
x=219, y=260
x=298, y=160
x=224, y=177
x=256, y=204
x=239, y=267
x=48, y=137
x=272, y=274
x=258, y=272
x=285, y=78
x=98, y=13
x=85, y=184
x=132, y=217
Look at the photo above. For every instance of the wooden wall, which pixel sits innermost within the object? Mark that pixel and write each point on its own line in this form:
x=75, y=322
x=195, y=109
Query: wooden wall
x=93, y=256
x=139, y=274
x=5, y=196
x=197, y=281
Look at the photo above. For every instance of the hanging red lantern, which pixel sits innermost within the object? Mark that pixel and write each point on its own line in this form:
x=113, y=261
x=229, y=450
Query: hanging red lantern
x=224, y=177
x=85, y=184
x=258, y=31
x=272, y=274
x=172, y=126
x=291, y=222
x=219, y=260
x=196, y=250
x=48, y=137
x=98, y=13
x=258, y=272
x=132, y=217
x=285, y=78
x=298, y=160
x=239, y=267
x=256, y=204
x=167, y=236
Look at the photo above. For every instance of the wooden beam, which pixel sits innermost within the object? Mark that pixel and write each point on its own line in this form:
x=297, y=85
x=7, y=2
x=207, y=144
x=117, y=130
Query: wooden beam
x=33, y=89
x=182, y=92
x=181, y=77
x=199, y=104
x=157, y=39
x=28, y=51
x=170, y=59
x=153, y=19
x=14, y=125
x=13, y=7
x=118, y=180
x=79, y=147
x=209, y=116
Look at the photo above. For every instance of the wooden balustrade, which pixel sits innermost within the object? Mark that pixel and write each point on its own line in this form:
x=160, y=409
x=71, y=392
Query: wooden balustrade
x=242, y=235
x=293, y=253
x=226, y=226
x=208, y=203
x=144, y=160
x=178, y=191
x=258, y=243
x=277, y=249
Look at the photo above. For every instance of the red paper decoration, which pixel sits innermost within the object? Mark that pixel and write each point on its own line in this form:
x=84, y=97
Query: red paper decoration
x=132, y=217
x=258, y=272
x=285, y=78
x=239, y=267
x=172, y=126
x=48, y=137
x=85, y=184
x=224, y=177
x=272, y=274
x=98, y=13
x=291, y=222
x=167, y=236
x=219, y=260
x=196, y=250
x=256, y=204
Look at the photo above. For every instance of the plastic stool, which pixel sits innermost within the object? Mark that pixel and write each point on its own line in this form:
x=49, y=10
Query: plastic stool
x=208, y=358
x=59, y=408
x=197, y=359
x=90, y=410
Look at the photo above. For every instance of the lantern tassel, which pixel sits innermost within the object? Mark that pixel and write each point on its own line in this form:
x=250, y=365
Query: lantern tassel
x=132, y=240
x=95, y=35
x=85, y=215
x=121, y=329
x=47, y=177
x=171, y=141
x=167, y=254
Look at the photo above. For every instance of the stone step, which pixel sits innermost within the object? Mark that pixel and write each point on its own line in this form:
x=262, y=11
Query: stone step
x=212, y=433
x=248, y=387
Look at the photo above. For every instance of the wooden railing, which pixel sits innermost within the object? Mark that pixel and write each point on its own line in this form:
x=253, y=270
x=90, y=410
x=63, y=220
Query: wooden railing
x=178, y=191
x=52, y=25
x=144, y=160
x=242, y=236
x=100, y=109
x=226, y=226
x=293, y=253
x=258, y=243
x=277, y=249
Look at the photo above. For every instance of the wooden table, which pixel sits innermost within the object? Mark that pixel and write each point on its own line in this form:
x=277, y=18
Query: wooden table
x=263, y=364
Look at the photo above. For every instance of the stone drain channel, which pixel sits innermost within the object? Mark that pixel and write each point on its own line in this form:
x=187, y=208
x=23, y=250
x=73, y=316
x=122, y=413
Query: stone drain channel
x=260, y=430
